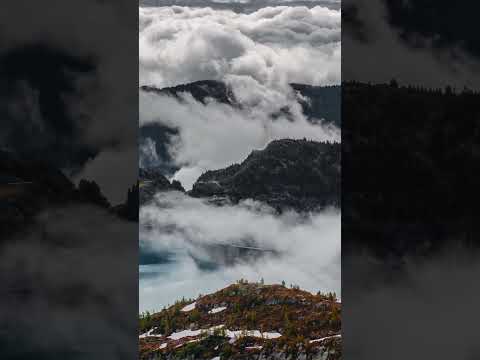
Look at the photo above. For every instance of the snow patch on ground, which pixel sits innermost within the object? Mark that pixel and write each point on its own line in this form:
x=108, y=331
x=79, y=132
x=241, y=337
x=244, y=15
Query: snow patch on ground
x=217, y=310
x=192, y=333
x=237, y=334
x=325, y=338
x=149, y=334
x=185, y=333
x=189, y=307
x=233, y=335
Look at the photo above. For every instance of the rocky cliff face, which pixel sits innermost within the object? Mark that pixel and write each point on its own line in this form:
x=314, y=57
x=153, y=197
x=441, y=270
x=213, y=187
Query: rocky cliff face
x=297, y=174
x=245, y=321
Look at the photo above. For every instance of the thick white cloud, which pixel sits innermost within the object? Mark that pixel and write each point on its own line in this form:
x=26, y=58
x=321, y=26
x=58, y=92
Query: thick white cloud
x=257, y=55
x=233, y=3
x=272, y=45
x=310, y=246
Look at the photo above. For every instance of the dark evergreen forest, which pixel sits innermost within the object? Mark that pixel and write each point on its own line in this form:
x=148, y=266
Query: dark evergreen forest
x=405, y=141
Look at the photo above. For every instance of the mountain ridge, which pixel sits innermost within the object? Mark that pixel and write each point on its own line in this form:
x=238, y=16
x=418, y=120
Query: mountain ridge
x=302, y=175
x=317, y=102
x=323, y=101
x=298, y=174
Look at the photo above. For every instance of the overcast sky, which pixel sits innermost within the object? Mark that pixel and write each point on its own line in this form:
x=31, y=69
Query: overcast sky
x=244, y=6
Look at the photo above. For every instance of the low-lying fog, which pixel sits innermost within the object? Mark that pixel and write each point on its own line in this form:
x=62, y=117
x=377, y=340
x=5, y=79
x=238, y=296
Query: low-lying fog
x=303, y=249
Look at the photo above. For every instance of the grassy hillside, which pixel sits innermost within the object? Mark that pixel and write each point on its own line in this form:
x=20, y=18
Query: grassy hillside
x=245, y=321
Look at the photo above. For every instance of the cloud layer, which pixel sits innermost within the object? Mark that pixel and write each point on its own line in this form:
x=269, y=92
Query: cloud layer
x=214, y=135
x=257, y=55
x=272, y=45
x=309, y=246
